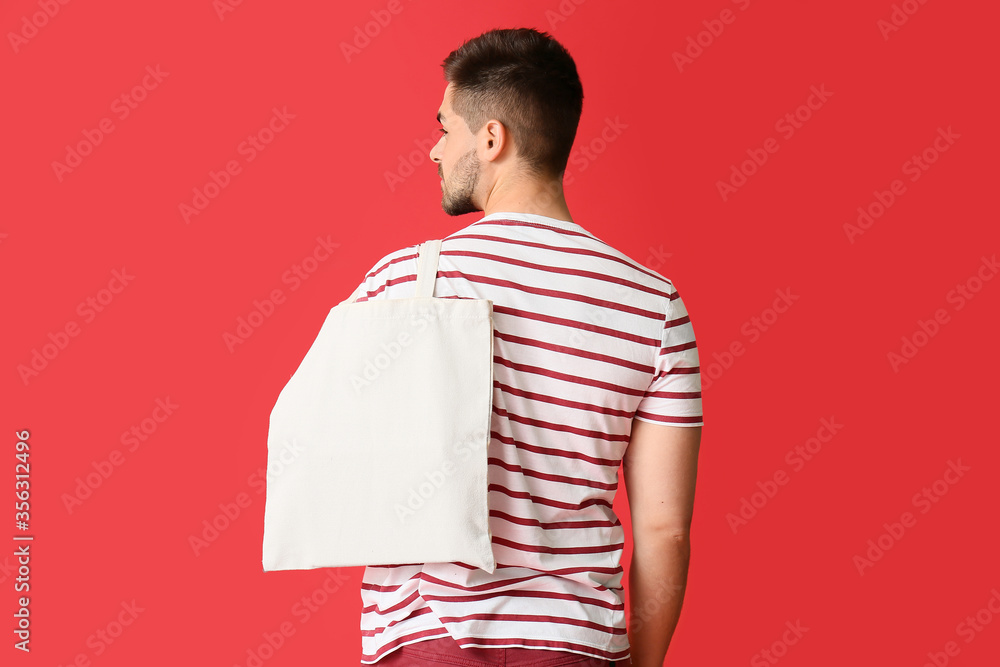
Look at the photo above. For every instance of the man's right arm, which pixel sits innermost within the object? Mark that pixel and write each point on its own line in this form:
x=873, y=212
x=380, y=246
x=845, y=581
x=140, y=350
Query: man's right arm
x=660, y=466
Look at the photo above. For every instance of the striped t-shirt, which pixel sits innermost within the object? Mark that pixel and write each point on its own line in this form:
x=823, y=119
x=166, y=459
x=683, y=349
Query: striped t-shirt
x=585, y=339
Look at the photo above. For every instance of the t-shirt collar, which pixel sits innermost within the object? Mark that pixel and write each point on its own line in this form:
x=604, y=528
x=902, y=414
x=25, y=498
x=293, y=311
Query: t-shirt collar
x=528, y=217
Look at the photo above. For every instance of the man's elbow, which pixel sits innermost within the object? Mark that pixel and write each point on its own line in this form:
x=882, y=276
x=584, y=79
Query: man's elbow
x=678, y=534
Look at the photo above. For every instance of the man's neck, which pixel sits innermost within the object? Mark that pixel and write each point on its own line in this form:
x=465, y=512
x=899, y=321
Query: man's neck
x=538, y=197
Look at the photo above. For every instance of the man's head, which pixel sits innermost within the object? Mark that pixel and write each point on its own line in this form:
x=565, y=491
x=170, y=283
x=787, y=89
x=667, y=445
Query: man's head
x=510, y=112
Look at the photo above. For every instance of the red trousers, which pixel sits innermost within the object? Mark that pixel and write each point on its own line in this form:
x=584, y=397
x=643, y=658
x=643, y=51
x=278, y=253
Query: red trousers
x=446, y=651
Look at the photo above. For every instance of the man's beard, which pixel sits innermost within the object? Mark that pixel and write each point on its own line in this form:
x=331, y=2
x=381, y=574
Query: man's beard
x=466, y=176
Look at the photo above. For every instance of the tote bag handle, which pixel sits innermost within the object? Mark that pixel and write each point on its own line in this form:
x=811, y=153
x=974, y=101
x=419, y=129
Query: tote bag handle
x=427, y=263
x=427, y=267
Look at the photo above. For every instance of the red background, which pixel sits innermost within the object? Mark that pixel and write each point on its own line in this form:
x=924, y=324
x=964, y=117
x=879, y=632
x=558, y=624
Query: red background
x=653, y=189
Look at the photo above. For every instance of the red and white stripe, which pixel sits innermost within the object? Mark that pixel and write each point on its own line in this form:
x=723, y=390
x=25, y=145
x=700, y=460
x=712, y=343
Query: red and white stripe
x=585, y=340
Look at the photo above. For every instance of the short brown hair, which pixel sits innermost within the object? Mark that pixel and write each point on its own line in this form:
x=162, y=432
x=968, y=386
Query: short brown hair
x=526, y=80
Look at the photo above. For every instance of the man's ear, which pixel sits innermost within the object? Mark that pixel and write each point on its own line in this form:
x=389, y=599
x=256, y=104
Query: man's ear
x=495, y=140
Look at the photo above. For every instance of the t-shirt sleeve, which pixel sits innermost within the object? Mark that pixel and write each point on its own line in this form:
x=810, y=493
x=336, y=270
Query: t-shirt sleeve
x=674, y=395
x=358, y=293
x=383, y=274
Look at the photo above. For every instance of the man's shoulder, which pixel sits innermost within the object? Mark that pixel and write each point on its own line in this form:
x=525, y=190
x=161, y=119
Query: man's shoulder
x=564, y=245
x=389, y=263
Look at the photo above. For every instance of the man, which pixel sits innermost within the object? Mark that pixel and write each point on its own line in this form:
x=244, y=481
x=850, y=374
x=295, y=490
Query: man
x=595, y=367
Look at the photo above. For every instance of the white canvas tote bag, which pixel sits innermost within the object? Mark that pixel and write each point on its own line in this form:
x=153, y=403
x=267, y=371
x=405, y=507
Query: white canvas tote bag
x=376, y=451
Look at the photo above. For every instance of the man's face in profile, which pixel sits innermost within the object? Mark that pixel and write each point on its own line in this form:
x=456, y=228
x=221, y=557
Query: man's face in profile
x=458, y=166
